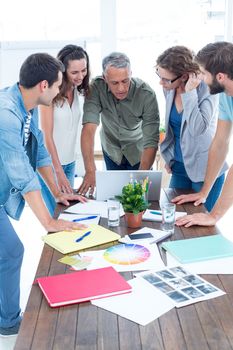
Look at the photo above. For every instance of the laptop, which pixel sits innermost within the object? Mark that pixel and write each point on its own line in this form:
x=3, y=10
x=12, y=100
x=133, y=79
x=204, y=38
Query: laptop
x=109, y=183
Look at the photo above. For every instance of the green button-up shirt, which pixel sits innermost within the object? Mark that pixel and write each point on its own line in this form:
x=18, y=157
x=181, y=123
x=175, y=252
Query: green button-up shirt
x=129, y=125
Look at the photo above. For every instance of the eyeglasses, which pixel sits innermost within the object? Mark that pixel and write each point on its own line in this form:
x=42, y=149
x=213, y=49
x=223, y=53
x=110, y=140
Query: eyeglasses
x=168, y=81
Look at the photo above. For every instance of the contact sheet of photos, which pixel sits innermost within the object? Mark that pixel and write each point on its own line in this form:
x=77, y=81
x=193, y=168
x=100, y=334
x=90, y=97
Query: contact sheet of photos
x=181, y=286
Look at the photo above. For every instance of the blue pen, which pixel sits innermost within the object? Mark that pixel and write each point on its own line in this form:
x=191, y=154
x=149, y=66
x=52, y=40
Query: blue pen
x=155, y=212
x=83, y=236
x=86, y=218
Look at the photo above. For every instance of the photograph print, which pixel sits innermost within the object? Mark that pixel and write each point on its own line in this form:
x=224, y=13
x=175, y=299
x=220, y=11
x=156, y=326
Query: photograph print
x=164, y=287
x=165, y=274
x=207, y=288
x=192, y=292
x=177, y=297
x=192, y=279
x=151, y=278
x=179, y=271
x=178, y=283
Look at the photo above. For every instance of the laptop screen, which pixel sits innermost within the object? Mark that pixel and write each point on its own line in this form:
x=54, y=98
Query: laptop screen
x=109, y=183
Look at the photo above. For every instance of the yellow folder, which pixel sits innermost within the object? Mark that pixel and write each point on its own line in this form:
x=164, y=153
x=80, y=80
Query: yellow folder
x=66, y=241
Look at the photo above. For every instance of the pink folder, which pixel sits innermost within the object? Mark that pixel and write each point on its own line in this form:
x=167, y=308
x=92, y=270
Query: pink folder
x=77, y=287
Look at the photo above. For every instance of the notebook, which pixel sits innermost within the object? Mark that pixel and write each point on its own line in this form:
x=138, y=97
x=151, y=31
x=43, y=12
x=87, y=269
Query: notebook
x=109, y=183
x=65, y=241
x=77, y=287
x=201, y=248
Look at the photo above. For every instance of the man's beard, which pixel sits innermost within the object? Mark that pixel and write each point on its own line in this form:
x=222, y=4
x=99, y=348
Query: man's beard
x=216, y=87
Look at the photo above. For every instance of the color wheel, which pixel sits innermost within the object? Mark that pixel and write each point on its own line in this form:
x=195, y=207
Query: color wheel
x=126, y=254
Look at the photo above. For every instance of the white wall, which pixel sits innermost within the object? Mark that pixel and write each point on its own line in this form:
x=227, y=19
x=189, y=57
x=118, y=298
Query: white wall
x=13, y=54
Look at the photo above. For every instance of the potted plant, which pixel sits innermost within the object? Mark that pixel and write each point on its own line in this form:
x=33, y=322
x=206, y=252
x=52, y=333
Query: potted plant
x=134, y=202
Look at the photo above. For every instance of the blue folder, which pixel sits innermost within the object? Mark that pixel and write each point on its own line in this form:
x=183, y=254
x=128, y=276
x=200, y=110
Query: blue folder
x=200, y=249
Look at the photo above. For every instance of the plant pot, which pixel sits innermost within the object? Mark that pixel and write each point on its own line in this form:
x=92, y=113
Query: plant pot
x=133, y=220
x=161, y=136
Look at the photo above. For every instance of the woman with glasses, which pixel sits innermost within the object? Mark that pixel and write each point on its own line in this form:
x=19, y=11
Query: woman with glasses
x=190, y=122
x=62, y=122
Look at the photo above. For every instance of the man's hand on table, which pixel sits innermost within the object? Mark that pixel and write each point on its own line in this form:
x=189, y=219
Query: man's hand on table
x=201, y=219
x=198, y=198
x=88, y=184
x=64, y=198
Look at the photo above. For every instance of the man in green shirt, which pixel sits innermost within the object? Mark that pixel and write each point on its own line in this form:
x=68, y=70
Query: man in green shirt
x=129, y=116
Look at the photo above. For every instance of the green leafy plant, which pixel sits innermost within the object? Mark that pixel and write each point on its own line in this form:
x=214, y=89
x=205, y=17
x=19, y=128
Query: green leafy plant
x=162, y=129
x=133, y=198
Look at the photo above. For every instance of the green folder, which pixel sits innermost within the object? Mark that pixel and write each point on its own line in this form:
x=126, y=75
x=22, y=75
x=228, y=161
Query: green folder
x=199, y=249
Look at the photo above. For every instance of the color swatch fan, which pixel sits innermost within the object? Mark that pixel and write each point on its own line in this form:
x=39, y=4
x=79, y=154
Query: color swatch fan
x=127, y=254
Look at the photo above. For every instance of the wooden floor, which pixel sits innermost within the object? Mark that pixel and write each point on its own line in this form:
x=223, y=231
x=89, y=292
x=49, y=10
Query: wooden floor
x=204, y=325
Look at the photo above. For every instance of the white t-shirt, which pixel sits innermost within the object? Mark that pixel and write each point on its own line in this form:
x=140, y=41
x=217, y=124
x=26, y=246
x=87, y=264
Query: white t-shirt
x=67, y=129
x=27, y=128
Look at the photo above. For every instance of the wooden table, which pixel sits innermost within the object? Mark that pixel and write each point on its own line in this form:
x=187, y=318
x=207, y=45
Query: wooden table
x=204, y=325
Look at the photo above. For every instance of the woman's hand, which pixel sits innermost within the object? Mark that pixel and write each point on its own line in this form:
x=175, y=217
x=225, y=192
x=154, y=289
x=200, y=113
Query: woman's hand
x=63, y=182
x=167, y=167
x=193, y=82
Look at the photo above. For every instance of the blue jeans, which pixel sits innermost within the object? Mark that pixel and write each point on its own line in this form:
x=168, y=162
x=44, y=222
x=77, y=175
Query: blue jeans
x=125, y=165
x=11, y=257
x=69, y=170
x=181, y=180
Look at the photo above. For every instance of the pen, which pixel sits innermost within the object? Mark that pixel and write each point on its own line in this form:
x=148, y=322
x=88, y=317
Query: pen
x=155, y=212
x=83, y=236
x=86, y=218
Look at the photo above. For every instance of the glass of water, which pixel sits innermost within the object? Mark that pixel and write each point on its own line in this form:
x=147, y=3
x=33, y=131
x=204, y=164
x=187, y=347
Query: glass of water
x=113, y=212
x=168, y=217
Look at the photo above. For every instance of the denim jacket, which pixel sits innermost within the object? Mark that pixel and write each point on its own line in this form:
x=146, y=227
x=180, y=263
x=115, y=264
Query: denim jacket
x=17, y=162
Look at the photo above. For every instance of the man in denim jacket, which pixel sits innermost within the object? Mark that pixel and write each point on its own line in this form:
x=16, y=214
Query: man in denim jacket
x=22, y=152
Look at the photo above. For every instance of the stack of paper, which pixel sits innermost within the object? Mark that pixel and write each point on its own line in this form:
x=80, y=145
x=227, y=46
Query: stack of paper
x=222, y=266
x=142, y=306
x=83, y=219
x=156, y=215
x=92, y=207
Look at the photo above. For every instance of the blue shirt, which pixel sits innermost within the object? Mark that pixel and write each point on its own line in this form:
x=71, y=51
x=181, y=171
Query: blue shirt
x=225, y=107
x=175, y=123
x=18, y=162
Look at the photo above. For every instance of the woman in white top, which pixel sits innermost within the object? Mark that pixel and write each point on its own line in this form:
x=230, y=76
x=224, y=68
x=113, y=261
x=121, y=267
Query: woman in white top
x=62, y=122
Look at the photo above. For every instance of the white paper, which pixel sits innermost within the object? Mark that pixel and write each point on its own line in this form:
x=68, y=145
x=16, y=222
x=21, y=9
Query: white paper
x=92, y=207
x=126, y=257
x=149, y=216
x=71, y=217
x=158, y=235
x=180, y=285
x=214, y=266
x=143, y=305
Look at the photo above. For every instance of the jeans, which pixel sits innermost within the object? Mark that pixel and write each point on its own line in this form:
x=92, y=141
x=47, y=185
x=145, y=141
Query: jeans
x=11, y=257
x=69, y=170
x=181, y=180
x=125, y=165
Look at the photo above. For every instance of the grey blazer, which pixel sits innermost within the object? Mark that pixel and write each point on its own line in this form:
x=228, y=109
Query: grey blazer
x=198, y=126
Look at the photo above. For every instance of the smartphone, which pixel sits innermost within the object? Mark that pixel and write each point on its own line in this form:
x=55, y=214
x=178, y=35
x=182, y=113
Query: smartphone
x=141, y=235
